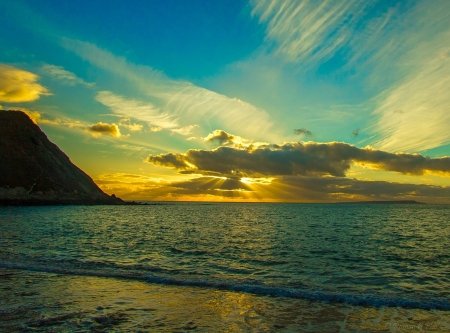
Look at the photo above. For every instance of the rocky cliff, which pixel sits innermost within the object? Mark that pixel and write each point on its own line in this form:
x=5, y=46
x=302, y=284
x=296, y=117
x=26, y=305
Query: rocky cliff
x=34, y=171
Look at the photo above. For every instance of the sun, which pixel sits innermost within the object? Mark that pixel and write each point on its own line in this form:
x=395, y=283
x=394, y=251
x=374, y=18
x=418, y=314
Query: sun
x=258, y=180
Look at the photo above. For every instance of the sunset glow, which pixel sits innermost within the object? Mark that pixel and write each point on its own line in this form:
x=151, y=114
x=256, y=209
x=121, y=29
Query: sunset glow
x=278, y=101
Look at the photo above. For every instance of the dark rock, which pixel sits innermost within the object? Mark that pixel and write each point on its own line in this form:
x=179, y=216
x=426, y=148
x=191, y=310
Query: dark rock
x=34, y=171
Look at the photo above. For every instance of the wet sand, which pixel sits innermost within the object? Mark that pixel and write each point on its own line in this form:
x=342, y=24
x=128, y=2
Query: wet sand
x=48, y=302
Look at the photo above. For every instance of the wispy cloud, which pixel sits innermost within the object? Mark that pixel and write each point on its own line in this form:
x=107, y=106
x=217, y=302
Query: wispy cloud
x=132, y=127
x=404, y=47
x=413, y=113
x=64, y=76
x=155, y=129
x=136, y=109
x=179, y=103
x=17, y=85
x=187, y=130
x=308, y=29
x=360, y=34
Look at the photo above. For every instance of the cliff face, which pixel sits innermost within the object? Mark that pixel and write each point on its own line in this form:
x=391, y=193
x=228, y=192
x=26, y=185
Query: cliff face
x=34, y=171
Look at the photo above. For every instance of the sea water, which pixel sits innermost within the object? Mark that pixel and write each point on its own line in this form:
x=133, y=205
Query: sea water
x=387, y=264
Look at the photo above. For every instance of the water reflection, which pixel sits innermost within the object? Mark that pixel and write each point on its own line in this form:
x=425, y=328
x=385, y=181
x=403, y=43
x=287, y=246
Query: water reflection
x=42, y=302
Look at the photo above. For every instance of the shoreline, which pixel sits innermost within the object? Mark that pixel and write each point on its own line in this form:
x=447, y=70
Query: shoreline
x=313, y=294
x=38, y=300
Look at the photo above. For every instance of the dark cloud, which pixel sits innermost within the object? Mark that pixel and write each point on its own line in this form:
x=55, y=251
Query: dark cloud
x=331, y=189
x=294, y=172
x=303, y=131
x=176, y=161
x=291, y=188
x=202, y=184
x=296, y=158
x=212, y=187
x=356, y=132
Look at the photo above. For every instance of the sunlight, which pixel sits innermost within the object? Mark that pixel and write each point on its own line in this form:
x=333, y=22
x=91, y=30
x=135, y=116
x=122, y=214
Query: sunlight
x=260, y=180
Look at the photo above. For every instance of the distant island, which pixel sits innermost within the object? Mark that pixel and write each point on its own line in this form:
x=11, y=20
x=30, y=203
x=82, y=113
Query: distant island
x=34, y=171
x=384, y=202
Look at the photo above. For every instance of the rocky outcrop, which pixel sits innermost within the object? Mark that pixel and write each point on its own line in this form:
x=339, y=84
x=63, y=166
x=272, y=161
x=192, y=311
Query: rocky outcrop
x=34, y=171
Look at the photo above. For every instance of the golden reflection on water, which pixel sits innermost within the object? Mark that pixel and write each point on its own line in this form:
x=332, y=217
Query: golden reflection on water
x=65, y=303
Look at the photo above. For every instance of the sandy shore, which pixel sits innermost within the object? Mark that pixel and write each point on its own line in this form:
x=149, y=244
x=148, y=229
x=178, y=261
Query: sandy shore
x=47, y=302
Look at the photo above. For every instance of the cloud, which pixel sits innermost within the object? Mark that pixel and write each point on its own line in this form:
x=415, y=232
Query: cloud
x=411, y=68
x=140, y=187
x=17, y=85
x=136, y=109
x=39, y=117
x=175, y=103
x=227, y=139
x=308, y=31
x=155, y=129
x=132, y=127
x=126, y=185
x=64, y=76
x=303, y=131
x=35, y=116
x=187, y=130
x=223, y=138
x=333, y=158
x=125, y=122
x=284, y=188
x=176, y=161
x=100, y=128
x=414, y=114
x=96, y=130
x=332, y=189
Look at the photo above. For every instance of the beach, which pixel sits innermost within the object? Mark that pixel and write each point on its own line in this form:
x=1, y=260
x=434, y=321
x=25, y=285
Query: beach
x=47, y=302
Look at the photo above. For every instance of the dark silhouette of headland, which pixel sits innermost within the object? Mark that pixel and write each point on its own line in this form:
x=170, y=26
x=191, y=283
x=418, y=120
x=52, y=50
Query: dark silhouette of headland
x=34, y=171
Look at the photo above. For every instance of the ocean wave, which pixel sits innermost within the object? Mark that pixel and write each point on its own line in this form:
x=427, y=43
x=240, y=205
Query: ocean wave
x=174, y=249
x=418, y=301
x=237, y=270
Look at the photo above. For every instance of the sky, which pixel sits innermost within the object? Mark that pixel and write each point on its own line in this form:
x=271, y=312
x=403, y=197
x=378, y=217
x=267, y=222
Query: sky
x=240, y=100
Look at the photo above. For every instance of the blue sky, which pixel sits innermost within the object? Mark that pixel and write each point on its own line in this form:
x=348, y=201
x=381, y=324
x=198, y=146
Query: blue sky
x=116, y=83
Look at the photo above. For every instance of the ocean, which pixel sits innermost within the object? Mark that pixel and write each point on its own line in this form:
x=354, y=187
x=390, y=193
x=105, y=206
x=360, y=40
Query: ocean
x=225, y=267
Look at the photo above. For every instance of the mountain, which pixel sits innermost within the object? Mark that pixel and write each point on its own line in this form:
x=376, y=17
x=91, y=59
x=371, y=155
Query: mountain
x=34, y=171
